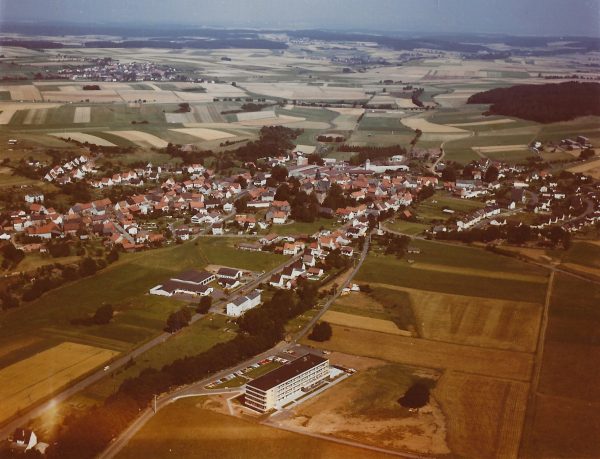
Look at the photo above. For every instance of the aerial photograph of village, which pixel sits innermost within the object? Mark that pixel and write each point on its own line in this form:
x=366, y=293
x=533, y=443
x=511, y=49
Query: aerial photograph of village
x=300, y=229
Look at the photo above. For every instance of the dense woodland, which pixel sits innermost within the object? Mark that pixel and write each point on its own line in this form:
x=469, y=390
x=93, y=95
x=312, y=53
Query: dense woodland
x=546, y=103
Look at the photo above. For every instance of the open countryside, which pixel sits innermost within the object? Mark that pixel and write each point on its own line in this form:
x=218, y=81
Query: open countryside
x=254, y=239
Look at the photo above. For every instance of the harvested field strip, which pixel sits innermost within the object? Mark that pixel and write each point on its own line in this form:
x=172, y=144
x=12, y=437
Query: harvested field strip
x=141, y=138
x=205, y=134
x=208, y=114
x=275, y=121
x=401, y=274
x=176, y=118
x=499, y=148
x=255, y=115
x=484, y=322
x=483, y=123
x=82, y=115
x=6, y=115
x=426, y=126
x=37, y=377
x=479, y=273
x=365, y=323
x=431, y=354
x=82, y=137
x=485, y=415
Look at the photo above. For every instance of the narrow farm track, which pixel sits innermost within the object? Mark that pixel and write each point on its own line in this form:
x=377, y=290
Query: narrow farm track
x=537, y=365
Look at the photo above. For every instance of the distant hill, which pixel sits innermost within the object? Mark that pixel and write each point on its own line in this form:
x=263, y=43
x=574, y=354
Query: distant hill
x=546, y=103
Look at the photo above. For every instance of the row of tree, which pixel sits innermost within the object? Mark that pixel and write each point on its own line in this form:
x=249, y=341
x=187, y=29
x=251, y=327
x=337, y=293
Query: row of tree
x=85, y=434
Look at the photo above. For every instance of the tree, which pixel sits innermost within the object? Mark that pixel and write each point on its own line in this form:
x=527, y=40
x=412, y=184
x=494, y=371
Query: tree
x=88, y=267
x=587, y=153
x=416, y=396
x=204, y=305
x=9, y=301
x=491, y=174
x=279, y=173
x=178, y=319
x=12, y=255
x=103, y=315
x=113, y=255
x=321, y=332
x=449, y=174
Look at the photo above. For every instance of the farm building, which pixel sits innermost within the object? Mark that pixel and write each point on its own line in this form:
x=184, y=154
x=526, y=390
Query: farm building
x=287, y=383
x=229, y=273
x=241, y=304
x=192, y=283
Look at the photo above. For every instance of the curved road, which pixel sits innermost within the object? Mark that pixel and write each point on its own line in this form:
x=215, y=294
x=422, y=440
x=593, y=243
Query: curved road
x=197, y=389
x=60, y=397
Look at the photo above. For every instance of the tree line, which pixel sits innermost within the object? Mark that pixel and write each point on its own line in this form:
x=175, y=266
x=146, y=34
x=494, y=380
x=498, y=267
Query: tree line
x=85, y=434
x=545, y=103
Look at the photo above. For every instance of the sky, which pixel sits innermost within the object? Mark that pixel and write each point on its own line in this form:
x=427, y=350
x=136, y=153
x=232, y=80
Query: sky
x=520, y=17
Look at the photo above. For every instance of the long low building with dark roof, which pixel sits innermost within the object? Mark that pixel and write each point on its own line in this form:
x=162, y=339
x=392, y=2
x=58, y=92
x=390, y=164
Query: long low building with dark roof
x=287, y=383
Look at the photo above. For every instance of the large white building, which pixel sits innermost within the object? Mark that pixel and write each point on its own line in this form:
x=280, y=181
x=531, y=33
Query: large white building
x=241, y=304
x=287, y=383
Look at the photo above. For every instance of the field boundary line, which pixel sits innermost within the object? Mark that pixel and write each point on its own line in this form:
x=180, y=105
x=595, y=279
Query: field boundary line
x=537, y=367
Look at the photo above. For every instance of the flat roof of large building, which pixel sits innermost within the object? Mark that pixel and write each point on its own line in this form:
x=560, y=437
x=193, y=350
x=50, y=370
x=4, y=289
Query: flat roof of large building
x=286, y=372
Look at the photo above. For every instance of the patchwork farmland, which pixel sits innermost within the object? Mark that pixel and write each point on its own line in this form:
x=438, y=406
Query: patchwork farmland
x=467, y=318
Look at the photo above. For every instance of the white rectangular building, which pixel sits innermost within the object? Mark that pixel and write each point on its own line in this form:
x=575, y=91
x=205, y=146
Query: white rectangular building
x=287, y=383
x=241, y=304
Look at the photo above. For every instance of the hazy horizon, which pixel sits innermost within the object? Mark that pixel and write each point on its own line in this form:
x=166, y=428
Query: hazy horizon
x=517, y=17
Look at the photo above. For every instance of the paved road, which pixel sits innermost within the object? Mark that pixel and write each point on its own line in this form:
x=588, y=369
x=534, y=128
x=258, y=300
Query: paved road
x=314, y=320
x=38, y=410
x=197, y=389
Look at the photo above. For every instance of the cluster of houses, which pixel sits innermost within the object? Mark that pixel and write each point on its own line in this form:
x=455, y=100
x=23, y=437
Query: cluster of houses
x=70, y=171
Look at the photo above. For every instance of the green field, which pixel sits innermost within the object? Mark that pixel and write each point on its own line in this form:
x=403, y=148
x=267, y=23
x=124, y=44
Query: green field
x=125, y=285
x=372, y=123
x=583, y=253
x=432, y=208
x=480, y=273
x=185, y=430
x=303, y=228
x=197, y=338
x=406, y=227
x=311, y=114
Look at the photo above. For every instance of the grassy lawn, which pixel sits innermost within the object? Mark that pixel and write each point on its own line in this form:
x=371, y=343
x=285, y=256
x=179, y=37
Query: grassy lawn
x=410, y=228
x=583, y=253
x=432, y=208
x=372, y=123
x=185, y=430
x=304, y=228
x=125, y=285
x=197, y=338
